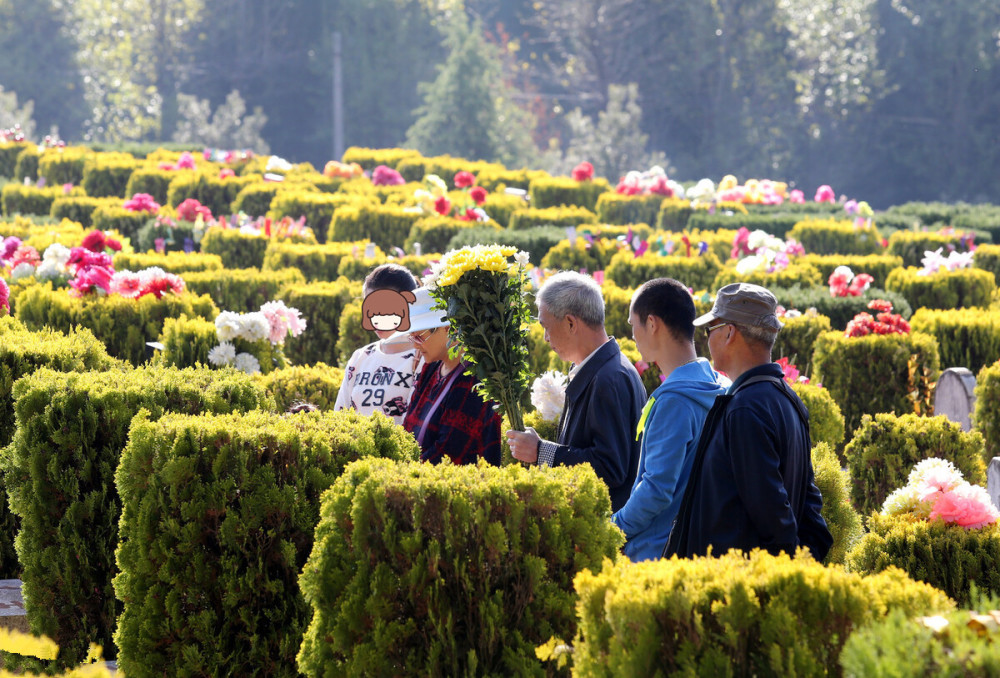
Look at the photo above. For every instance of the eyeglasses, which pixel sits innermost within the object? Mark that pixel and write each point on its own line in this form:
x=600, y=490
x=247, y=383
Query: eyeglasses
x=421, y=337
x=714, y=327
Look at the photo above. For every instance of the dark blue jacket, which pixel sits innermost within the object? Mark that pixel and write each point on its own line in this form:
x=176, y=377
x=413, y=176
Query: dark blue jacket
x=752, y=483
x=603, y=403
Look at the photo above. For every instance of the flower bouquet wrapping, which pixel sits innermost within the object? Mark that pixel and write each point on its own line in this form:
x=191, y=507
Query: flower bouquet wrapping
x=483, y=292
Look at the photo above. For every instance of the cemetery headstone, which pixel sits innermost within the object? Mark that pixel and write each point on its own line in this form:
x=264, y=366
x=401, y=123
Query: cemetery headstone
x=955, y=396
x=993, y=481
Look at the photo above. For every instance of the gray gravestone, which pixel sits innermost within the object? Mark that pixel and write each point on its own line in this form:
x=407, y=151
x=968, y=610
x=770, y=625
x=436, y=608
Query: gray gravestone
x=993, y=481
x=955, y=396
x=12, y=613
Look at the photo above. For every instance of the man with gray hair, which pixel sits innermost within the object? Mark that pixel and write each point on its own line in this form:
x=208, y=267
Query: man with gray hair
x=751, y=483
x=604, y=397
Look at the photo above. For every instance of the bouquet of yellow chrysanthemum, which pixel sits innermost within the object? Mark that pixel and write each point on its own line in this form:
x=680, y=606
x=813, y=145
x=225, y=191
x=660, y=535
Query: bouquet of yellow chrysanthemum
x=483, y=292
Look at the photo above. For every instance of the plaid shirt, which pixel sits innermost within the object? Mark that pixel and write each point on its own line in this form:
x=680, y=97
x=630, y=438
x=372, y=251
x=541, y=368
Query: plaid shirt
x=464, y=427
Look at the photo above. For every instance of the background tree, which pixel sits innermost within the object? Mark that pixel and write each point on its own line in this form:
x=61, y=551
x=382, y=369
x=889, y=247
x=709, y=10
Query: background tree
x=230, y=127
x=468, y=110
x=11, y=114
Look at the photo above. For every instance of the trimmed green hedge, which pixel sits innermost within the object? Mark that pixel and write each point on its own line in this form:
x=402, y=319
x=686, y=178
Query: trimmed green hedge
x=80, y=208
x=966, y=337
x=615, y=208
x=117, y=218
x=797, y=274
x=886, y=447
x=987, y=257
x=551, y=216
x=241, y=290
x=61, y=166
x=583, y=255
x=370, y=158
x=316, y=384
x=214, y=193
x=986, y=418
x=499, y=207
x=317, y=262
x=797, y=338
x=435, y=232
x=186, y=342
x=834, y=485
x=877, y=373
x=26, y=166
x=731, y=615
x=822, y=236
x=826, y=423
x=150, y=180
x=20, y=199
x=172, y=262
x=9, y=150
x=548, y=192
x=108, y=174
x=483, y=556
x=878, y=266
x=218, y=514
x=317, y=208
x=775, y=224
x=911, y=245
x=385, y=225
x=124, y=325
x=59, y=470
x=962, y=288
x=236, y=249
x=696, y=272
x=321, y=304
x=948, y=557
x=840, y=310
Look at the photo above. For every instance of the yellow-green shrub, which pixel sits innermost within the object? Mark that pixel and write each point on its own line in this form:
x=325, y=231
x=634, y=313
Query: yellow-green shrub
x=496, y=179
x=840, y=310
x=80, y=208
x=435, y=232
x=172, y=262
x=829, y=236
x=878, y=266
x=150, y=180
x=317, y=208
x=961, y=288
x=511, y=539
x=242, y=290
x=696, y=272
x=211, y=191
x=615, y=208
x=233, y=500
x=877, y=373
x=734, y=615
x=352, y=335
x=674, y=214
x=616, y=306
x=9, y=150
x=826, y=423
x=20, y=199
x=885, y=448
x=801, y=274
x=986, y=418
x=551, y=216
x=26, y=166
x=321, y=304
x=966, y=337
x=236, y=249
x=987, y=257
x=317, y=384
x=911, y=245
x=499, y=207
x=110, y=217
x=66, y=232
x=582, y=255
x=415, y=168
x=948, y=557
x=548, y=192
x=650, y=373
x=386, y=226
x=59, y=471
x=317, y=262
x=835, y=486
x=107, y=174
x=357, y=268
x=61, y=166
x=370, y=158
x=124, y=325
x=255, y=198
x=187, y=341
x=777, y=224
x=796, y=340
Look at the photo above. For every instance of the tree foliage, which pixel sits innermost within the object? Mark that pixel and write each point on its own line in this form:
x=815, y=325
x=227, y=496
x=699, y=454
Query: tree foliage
x=229, y=127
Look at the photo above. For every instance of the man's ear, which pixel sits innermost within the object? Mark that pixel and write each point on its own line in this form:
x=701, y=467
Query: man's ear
x=573, y=321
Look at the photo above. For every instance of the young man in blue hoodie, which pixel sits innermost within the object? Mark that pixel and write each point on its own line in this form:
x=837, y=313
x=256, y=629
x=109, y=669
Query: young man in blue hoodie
x=662, y=315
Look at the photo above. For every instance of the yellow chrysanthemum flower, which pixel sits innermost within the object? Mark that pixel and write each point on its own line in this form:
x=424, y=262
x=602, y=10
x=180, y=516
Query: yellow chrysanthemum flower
x=27, y=644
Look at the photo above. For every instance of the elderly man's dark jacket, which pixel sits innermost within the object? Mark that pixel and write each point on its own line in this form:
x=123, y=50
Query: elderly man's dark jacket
x=604, y=401
x=752, y=483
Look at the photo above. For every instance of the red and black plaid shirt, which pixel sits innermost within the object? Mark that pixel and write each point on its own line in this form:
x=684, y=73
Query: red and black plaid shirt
x=464, y=427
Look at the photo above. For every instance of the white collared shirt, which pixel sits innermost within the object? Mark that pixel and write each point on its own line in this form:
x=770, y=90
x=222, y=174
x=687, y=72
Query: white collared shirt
x=576, y=368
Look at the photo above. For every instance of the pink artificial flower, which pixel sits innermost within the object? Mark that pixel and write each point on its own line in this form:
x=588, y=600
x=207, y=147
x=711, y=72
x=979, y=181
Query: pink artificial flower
x=191, y=208
x=283, y=321
x=966, y=505
x=838, y=281
x=126, y=284
x=25, y=254
x=160, y=245
x=142, y=202
x=881, y=305
x=4, y=295
x=226, y=173
x=464, y=179
x=186, y=161
x=735, y=194
x=859, y=285
x=207, y=154
x=91, y=279
x=851, y=206
x=796, y=196
x=67, y=189
x=825, y=194
x=791, y=371
x=641, y=366
x=94, y=241
x=583, y=172
x=386, y=176
x=166, y=166
x=10, y=246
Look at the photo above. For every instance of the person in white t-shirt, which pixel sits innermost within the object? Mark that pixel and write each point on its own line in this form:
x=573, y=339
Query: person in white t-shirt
x=380, y=377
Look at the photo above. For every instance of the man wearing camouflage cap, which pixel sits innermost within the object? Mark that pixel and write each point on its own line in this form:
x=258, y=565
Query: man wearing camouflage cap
x=752, y=483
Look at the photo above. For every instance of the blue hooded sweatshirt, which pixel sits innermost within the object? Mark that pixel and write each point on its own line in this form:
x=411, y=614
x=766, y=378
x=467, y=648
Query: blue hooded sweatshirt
x=670, y=427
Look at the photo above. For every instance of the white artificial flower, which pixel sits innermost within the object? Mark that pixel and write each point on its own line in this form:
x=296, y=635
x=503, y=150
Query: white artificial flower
x=147, y=275
x=844, y=271
x=22, y=270
x=703, y=190
x=548, y=393
x=757, y=239
x=933, y=466
x=677, y=188
x=750, y=263
x=277, y=163
x=436, y=185
x=56, y=253
x=227, y=325
x=49, y=269
x=903, y=500
x=254, y=326
x=245, y=362
x=223, y=354
x=522, y=258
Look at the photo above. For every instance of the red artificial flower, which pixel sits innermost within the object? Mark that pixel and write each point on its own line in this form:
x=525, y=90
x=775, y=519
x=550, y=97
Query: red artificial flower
x=25, y=254
x=478, y=194
x=880, y=305
x=469, y=215
x=442, y=206
x=583, y=172
x=4, y=295
x=94, y=241
x=464, y=179
x=226, y=173
x=191, y=208
x=113, y=244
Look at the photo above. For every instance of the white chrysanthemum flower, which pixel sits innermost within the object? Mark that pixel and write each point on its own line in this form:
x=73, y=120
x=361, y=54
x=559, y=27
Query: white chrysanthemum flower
x=522, y=258
x=57, y=253
x=436, y=185
x=278, y=163
x=548, y=393
x=246, y=362
x=750, y=263
x=223, y=354
x=936, y=467
x=227, y=326
x=22, y=270
x=757, y=239
x=49, y=269
x=703, y=190
x=903, y=500
x=677, y=188
x=254, y=326
x=844, y=271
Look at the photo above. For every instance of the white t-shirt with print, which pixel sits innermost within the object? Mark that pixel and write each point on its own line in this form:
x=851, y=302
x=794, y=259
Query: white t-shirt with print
x=376, y=381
